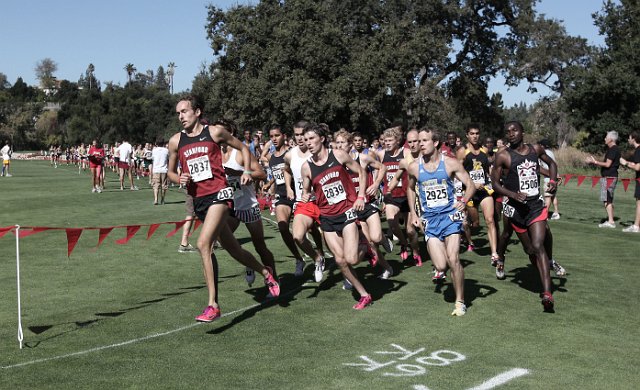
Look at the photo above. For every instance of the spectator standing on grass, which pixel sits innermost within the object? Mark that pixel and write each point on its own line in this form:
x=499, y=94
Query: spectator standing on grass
x=197, y=147
x=634, y=140
x=609, y=172
x=125, y=155
x=96, y=157
x=160, y=158
x=6, y=153
x=550, y=198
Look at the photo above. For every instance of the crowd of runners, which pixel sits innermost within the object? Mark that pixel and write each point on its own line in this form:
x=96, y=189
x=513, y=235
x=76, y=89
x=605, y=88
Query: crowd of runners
x=331, y=189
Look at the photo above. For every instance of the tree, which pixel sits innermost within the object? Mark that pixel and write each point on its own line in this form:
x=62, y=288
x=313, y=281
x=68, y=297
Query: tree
x=606, y=95
x=162, y=80
x=171, y=70
x=131, y=70
x=90, y=69
x=366, y=64
x=44, y=72
x=4, y=82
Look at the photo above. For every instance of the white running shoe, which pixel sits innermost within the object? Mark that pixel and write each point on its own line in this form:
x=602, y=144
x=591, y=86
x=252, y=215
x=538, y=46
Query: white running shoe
x=632, y=229
x=387, y=244
x=607, y=224
x=558, y=269
x=299, y=268
x=250, y=276
x=460, y=309
x=93, y=189
x=555, y=216
x=387, y=274
x=317, y=273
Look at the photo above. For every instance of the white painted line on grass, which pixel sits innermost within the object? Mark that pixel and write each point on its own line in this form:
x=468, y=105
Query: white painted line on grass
x=151, y=336
x=501, y=379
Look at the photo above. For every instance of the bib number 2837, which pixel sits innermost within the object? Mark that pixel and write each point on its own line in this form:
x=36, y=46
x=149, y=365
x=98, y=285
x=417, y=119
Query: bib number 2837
x=199, y=168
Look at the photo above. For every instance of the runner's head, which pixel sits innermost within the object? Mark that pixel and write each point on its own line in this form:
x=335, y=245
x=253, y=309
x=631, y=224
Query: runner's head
x=473, y=134
x=343, y=140
x=391, y=138
x=514, y=132
x=358, y=142
x=277, y=137
x=412, y=141
x=429, y=141
x=314, y=137
x=189, y=110
x=298, y=134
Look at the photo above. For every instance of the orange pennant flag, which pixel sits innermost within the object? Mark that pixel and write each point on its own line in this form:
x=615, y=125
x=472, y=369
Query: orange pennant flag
x=73, y=235
x=131, y=231
x=567, y=177
x=581, y=179
x=594, y=181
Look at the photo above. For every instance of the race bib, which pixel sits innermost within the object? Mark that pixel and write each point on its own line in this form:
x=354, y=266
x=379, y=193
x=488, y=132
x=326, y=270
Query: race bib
x=351, y=215
x=477, y=176
x=334, y=192
x=199, y=168
x=457, y=216
x=390, y=177
x=528, y=178
x=436, y=195
x=278, y=175
x=508, y=211
x=234, y=181
x=226, y=193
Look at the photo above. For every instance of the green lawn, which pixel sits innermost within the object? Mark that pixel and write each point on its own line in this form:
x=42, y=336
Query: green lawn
x=121, y=316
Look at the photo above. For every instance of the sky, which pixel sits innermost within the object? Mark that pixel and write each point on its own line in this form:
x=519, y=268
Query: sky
x=149, y=33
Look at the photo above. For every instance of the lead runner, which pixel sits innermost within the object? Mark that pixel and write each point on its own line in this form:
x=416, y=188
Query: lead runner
x=197, y=147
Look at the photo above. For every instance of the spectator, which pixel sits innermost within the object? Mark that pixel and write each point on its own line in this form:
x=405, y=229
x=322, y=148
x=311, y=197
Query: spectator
x=609, y=172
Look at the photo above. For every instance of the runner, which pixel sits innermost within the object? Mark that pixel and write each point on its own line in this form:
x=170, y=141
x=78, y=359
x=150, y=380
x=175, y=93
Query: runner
x=325, y=174
x=246, y=208
x=96, y=157
x=83, y=157
x=475, y=161
x=369, y=217
x=306, y=214
x=197, y=148
x=125, y=154
x=441, y=215
x=396, y=206
x=523, y=203
x=414, y=154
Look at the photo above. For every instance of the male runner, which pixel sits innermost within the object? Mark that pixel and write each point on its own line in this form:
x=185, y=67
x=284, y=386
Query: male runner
x=197, y=148
x=441, y=214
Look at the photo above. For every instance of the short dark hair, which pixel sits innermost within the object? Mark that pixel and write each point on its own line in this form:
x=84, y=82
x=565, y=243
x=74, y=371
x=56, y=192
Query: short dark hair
x=472, y=126
x=516, y=124
x=435, y=135
x=227, y=124
x=635, y=135
x=301, y=124
x=195, y=101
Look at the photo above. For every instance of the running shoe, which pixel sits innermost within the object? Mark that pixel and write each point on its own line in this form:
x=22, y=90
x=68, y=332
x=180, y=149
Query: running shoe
x=93, y=189
x=364, y=301
x=500, y=270
x=317, y=273
x=632, y=229
x=134, y=188
x=558, y=269
x=209, y=314
x=438, y=277
x=494, y=260
x=547, y=301
x=249, y=276
x=373, y=256
x=299, y=268
x=99, y=190
x=387, y=244
x=555, y=216
x=404, y=253
x=346, y=285
x=470, y=248
x=387, y=274
x=460, y=309
x=607, y=224
x=271, y=283
x=418, y=260
x=186, y=248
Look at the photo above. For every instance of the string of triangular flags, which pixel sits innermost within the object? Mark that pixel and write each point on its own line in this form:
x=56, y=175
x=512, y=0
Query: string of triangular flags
x=73, y=234
x=566, y=178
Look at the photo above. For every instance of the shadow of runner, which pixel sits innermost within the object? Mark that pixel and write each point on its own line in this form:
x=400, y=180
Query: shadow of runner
x=472, y=291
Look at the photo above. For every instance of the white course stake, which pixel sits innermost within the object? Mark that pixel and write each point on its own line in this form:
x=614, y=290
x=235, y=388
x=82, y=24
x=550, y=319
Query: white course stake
x=20, y=334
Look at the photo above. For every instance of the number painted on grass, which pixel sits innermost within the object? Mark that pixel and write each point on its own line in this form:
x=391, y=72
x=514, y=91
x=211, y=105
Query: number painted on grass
x=400, y=354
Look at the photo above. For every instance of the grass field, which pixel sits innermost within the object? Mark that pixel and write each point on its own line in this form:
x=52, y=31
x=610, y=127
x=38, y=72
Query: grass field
x=121, y=316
